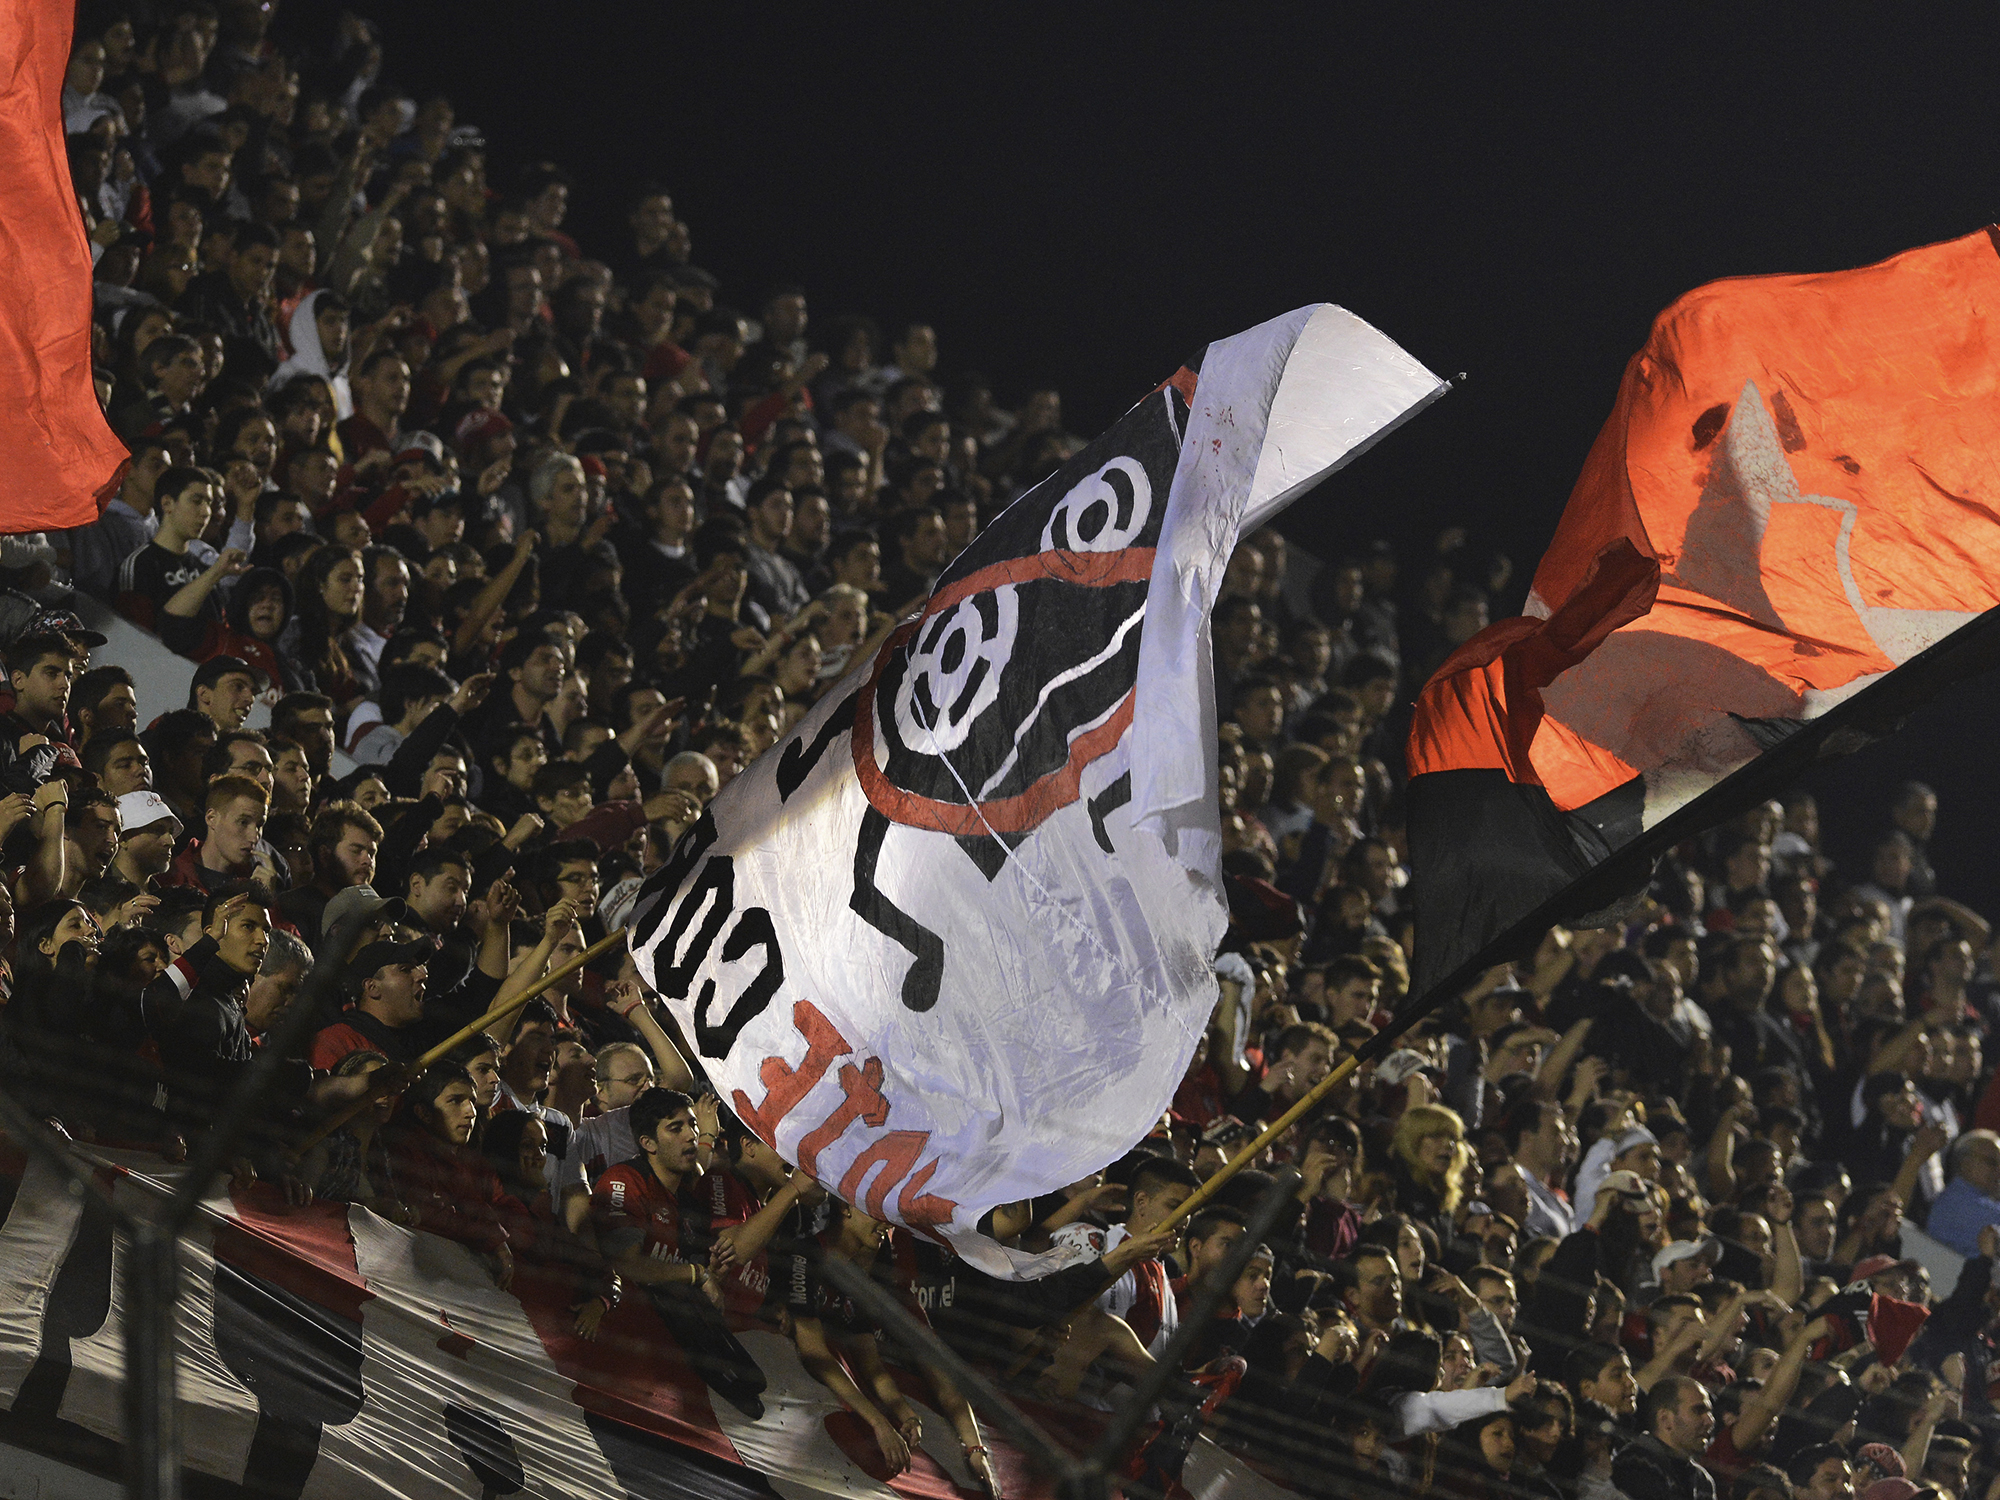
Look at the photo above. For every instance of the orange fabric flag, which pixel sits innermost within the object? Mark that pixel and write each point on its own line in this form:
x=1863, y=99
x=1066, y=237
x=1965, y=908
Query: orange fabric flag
x=1796, y=498
x=57, y=453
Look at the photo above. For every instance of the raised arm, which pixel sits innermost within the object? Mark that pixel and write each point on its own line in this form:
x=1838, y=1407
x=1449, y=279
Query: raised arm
x=533, y=965
x=1900, y=1048
x=1561, y=1058
x=487, y=602
x=1969, y=922
x=1721, y=1330
x=43, y=878
x=1667, y=1355
x=629, y=1001
x=1926, y=1143
x=491, y=916
x=1722, y=1151
x=1763, y=1408
x=187, y=600
x=1788, y=1276
x=1227, y=1027
x=404, y=774
x=1917, y=1450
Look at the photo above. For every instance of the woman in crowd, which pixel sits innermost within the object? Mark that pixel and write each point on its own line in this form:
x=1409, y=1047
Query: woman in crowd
x=329, y=604
x=545, y=1250
x=425, y=1160
x=1427, y=1160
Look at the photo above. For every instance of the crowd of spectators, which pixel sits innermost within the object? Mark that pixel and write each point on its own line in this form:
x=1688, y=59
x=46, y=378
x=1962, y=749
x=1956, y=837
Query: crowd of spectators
x=529, y=547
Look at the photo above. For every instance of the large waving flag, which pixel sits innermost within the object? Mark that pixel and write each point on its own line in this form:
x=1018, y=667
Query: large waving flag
x=1786, y=536
x=947, y=945
x=57, y=453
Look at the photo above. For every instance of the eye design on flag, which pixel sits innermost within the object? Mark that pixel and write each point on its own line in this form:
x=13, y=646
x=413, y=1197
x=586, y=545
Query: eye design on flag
x=954, y=669
x=980, y=716
x=1105, y=512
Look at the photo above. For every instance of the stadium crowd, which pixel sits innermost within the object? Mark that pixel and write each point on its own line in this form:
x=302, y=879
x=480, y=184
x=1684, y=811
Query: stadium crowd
x=529, y=547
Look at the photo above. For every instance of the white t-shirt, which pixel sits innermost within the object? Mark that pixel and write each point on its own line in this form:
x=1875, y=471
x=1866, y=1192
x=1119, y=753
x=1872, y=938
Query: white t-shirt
x=1127, y=1297
x=602, y=1142
x=563, y=1172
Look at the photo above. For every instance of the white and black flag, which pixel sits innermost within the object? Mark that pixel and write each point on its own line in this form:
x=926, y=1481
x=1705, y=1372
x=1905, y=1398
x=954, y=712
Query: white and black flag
x=947, y=944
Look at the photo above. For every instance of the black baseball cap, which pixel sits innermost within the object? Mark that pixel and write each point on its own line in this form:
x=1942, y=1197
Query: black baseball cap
x=212, y=671
x=64, y=622
x=380, y=955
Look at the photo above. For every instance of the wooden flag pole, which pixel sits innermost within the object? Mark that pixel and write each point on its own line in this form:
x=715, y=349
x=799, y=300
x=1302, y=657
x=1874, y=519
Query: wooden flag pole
x=1199, y=1198
x=388, y=1080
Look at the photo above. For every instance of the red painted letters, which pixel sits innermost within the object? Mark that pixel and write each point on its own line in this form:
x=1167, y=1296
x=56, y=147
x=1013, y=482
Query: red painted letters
x=863, y=1089
x=894, y=1154
x=784, y=1085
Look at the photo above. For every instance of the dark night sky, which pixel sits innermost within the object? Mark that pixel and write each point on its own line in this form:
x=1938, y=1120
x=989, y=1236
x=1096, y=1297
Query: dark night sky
x=1077, y=196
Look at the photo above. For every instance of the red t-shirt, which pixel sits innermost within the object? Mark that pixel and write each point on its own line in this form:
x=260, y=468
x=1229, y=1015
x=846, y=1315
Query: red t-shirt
x=630, y=1198
x=665, y=360
x=1199, y=1098
x=725, y=1199
x=358, y=1031
x=333, y=1043
x=1724, y=1460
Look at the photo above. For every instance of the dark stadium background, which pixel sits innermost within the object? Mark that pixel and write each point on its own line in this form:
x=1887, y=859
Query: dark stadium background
x=1078, y=195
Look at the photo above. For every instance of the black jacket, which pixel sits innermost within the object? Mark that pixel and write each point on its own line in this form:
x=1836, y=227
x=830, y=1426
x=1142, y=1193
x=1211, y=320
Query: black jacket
x=1555, y=1319
x=1649, y=1470
x=194, y=1013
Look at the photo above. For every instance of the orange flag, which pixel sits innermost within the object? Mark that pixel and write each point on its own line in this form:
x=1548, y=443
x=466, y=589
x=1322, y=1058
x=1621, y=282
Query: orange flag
x=57, y=453
x=1787, y=534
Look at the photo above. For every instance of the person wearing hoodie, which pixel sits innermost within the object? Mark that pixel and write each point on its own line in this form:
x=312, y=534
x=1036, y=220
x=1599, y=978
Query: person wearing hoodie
x=318, y=335
x=259, y=611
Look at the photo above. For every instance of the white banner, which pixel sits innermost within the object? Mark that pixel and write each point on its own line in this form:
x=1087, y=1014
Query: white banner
x=325, y=1353
x=947, y=945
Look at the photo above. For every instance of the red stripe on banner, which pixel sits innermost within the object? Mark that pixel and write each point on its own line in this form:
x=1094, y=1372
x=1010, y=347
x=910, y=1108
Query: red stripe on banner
x=306, y=1251
x=1183, y=380
x=633, y=1372
x=1026, y=810
x=58, y=458
x=1017, y=814
x=1093, y=570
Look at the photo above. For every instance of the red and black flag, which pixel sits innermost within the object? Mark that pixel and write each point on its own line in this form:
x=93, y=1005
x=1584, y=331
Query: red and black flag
x=57, y=453
x=1786, y=536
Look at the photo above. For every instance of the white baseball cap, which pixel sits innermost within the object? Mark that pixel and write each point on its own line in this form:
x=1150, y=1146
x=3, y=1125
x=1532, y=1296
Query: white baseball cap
x=138, y=810
x=1399, y=1066
x=1708, y=1247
